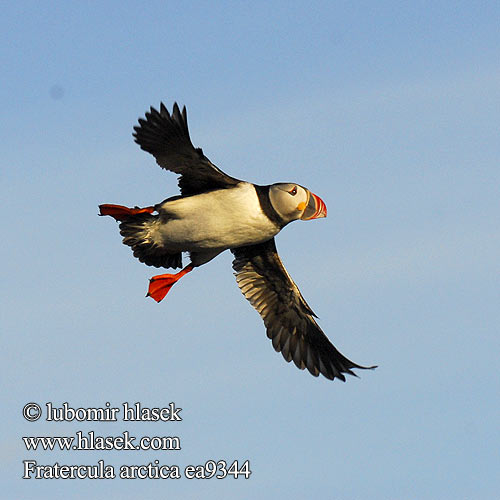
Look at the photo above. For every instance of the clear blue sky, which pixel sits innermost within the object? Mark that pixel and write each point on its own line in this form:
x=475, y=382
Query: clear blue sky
x=387, y=110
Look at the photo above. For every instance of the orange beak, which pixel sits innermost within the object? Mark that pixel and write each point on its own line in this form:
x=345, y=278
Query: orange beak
x=315, y=209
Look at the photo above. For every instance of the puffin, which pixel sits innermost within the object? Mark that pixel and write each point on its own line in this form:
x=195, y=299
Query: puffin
x=214, y=213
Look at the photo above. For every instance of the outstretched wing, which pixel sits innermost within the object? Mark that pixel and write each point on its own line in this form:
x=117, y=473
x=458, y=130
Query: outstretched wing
x=166, y=137
x=289, y=320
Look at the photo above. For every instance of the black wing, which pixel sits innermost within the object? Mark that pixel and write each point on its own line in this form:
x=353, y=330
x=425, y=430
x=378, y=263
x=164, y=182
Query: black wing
x=290, y=323
x=166, y=137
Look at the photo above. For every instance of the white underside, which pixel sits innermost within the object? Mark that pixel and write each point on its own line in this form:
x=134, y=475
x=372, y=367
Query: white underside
x=213, y=222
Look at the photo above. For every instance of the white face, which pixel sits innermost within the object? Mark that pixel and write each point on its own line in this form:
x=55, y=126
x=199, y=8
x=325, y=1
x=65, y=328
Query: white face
x=289, y=200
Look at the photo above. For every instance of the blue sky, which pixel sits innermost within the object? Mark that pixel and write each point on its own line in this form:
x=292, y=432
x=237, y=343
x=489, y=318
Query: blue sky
x=387, y=110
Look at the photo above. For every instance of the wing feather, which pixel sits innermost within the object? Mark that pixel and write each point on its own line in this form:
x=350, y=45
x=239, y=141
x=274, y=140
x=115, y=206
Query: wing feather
x=289, y=320
x=166, y=137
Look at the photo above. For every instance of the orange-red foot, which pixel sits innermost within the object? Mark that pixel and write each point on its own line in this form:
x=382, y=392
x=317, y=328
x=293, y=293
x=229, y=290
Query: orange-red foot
x=121, y=213
x=160, y=285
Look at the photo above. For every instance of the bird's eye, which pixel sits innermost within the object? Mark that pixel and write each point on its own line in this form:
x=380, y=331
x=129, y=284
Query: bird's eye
x=293, y=192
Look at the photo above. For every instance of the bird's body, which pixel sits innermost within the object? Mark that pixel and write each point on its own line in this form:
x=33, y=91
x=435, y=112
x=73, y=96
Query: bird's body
x=214, y=213
x=217, y=220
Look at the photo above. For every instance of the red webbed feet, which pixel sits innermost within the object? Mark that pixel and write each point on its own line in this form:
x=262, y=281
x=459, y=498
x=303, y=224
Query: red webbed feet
x=160, y=285
x=121, y=213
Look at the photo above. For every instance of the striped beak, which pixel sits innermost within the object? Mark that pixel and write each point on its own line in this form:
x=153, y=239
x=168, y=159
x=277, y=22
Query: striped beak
x=315, y=209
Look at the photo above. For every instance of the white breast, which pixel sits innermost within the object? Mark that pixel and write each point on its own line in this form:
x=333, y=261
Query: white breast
x=221, y=219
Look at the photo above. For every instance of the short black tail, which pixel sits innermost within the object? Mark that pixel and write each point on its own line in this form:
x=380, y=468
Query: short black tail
x=138, y=232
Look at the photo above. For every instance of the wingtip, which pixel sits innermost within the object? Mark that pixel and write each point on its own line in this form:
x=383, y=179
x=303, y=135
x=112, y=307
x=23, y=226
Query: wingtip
x=175, y=110
x=163, y=110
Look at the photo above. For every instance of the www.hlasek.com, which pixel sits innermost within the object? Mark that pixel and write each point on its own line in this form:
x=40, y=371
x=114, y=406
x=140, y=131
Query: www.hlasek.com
x=32, y=412
x=100, y=443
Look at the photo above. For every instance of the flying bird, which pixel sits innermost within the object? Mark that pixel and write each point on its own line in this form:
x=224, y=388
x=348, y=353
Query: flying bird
x=214, y=213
